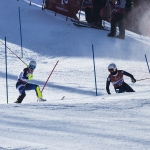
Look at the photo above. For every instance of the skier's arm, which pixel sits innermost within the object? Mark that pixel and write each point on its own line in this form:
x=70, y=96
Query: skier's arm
x=27, y=75
x=107, y=85
x=30, y=76
x=129, y=75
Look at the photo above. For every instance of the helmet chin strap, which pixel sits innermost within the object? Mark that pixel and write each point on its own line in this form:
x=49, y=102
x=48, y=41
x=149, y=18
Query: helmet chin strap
x=115, y=72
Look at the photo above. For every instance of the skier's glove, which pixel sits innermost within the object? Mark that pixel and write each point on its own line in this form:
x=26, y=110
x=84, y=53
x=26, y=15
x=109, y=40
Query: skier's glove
x=30, y=77
x=133, y=80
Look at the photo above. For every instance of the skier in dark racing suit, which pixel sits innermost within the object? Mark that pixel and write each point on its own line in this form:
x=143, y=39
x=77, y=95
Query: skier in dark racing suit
x=116, y=78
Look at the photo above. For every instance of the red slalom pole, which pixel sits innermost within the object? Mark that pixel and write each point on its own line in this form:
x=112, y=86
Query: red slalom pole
x=49, y=76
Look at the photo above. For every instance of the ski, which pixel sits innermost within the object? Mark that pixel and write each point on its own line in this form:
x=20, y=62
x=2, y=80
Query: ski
x=80, y=22
x=85, y=24
x=90, y=26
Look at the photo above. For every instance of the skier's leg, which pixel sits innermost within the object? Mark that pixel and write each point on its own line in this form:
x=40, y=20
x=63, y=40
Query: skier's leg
x=119, y=90
x=128, y=88
x=21, y=89
x=38, y=92
x=121, y=29
x=88, y=14
x=95, y=16
x=35, y=87
x=20, y=98
x=113, y=26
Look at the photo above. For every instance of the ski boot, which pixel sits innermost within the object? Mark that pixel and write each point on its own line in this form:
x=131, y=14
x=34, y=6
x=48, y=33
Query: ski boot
x=41, y=100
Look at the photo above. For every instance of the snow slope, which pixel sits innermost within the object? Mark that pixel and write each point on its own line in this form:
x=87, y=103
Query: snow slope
x=80, y=120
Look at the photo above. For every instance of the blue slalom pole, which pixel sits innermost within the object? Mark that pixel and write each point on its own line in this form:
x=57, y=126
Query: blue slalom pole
x=20, y=31
x=6, y=70
x=147, y=63
x=94, y=69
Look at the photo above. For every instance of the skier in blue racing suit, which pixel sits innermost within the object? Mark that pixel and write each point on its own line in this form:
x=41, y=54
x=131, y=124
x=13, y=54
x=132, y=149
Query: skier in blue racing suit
x=22, y=84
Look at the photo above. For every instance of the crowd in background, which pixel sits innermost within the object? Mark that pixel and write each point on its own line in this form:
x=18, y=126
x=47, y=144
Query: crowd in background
x=136, y=18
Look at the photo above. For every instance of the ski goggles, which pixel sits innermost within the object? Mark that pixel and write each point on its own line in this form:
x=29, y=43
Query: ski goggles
x=32, y=67
x=111, y=70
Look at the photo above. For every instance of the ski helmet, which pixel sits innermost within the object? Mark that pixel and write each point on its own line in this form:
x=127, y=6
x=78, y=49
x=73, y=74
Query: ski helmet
x=32, y=64
x=112, y=67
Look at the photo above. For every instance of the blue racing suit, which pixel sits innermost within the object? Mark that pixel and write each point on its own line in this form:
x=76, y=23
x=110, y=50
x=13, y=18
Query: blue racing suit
x=22, y=84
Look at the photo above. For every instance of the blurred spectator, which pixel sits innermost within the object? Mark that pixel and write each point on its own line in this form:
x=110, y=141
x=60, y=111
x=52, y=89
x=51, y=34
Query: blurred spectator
x=92, y=11
x=117, y=17
x=97, y=6
x=88, y=10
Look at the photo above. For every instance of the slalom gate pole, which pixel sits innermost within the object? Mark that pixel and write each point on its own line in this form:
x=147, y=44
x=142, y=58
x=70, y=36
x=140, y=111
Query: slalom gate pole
x=142, y=79
x=14, y=53
x=147, y=63
x=49, y=75
x=94, y=70
x=6, y=71
x=20, y=32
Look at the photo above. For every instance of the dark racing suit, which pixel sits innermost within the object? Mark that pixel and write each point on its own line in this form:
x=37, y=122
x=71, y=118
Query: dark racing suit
x=118, y=82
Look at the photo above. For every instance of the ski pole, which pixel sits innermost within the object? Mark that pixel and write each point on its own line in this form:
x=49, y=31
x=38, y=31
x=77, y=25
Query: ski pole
x=6, y=70
x=14, y=53
x=49, y=76
x=147, y=63
x=20, y=31
x=142, y=79
x=94, y=69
